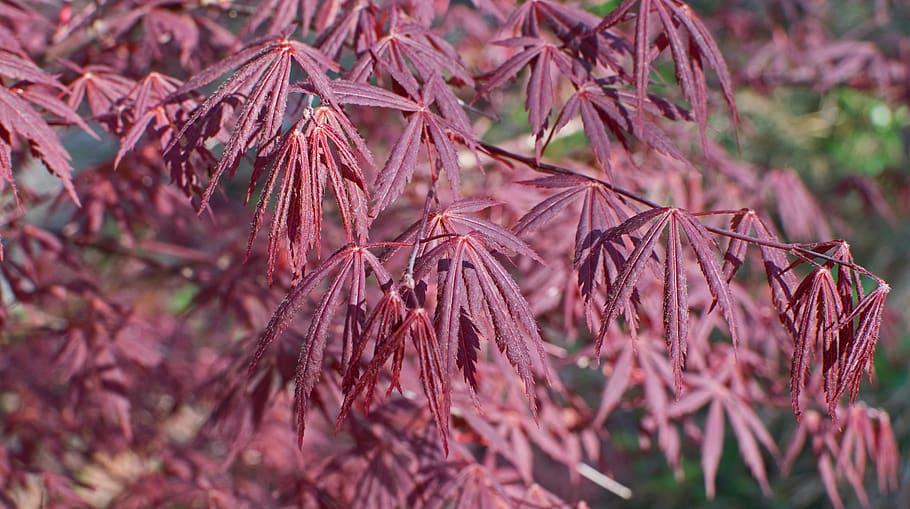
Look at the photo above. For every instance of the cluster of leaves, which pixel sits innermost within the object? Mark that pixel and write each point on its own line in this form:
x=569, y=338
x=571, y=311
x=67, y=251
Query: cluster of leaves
x=141, y=332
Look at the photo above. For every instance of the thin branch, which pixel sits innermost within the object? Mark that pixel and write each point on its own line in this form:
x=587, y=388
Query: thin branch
x=604, y=481
x=553, y=169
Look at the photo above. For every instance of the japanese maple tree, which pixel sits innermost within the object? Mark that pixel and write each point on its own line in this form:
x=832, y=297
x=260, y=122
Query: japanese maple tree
x=301, y=253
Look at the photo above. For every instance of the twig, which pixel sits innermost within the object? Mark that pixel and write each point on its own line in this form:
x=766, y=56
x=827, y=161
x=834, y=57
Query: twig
x=608, y=483
x=553, y=169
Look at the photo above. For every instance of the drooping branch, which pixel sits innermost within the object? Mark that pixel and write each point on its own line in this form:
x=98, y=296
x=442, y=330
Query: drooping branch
x=798, y=249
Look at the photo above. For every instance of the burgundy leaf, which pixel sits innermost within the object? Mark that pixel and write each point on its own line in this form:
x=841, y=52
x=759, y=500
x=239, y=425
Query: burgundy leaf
x=676, y=306
x=621, y=289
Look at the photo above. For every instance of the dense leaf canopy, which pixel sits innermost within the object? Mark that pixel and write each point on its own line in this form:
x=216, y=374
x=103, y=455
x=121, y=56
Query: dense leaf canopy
x=451, y=311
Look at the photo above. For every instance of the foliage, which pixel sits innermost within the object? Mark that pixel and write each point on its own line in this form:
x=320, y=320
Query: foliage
x=478, y=282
